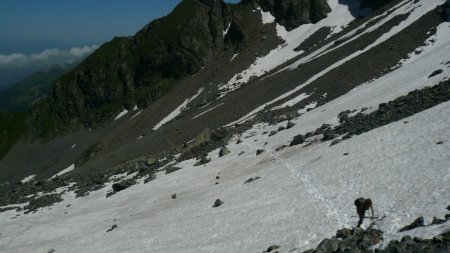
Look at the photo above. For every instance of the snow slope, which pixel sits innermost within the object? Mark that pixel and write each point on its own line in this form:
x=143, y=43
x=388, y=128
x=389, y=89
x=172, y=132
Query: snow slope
x=303, y=196
x=412, y=73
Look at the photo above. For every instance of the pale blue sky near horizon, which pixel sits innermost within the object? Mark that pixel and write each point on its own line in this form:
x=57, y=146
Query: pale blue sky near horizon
x=30, y=26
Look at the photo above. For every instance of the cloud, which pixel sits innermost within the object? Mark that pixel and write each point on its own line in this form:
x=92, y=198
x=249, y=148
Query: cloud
x=46, y=58
x=12, y=59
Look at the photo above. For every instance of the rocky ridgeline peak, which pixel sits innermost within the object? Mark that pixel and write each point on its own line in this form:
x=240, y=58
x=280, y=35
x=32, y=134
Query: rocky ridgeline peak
x=293, y=13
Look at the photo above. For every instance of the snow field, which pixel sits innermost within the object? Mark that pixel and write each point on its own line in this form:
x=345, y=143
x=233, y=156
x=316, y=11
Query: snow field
x=304, y=195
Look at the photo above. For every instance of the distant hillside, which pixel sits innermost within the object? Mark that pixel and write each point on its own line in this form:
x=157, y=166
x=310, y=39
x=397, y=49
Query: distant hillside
x=34, y=88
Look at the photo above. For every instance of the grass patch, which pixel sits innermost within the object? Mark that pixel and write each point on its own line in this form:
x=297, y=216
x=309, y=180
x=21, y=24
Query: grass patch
x=13, y=127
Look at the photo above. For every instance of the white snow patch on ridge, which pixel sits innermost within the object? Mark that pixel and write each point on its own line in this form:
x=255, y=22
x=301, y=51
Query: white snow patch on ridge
x=292, y=102
x=28, y=179
x=121, y=114
x=210, y=109
x=226, y=30
x=267, y=17
x=177, y=111
x=136, y=114
x=233, y=57
x=68, y=169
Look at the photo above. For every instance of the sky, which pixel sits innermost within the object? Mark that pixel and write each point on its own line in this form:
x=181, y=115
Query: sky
x=30, y=26
x=36, y=34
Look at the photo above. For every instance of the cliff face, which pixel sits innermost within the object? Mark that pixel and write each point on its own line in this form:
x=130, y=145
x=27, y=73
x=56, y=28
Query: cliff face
x=293, y=13
x=138, y=70
x=142, y=68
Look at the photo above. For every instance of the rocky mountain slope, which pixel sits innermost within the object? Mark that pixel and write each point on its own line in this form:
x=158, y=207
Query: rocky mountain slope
x=31, y=90
x=264, y=124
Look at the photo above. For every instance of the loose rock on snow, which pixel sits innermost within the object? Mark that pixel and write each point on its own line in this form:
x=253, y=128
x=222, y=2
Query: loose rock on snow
x=419, y=222
x=251, y=180
x=112, y=228
x=217, y=203
x=259, y=151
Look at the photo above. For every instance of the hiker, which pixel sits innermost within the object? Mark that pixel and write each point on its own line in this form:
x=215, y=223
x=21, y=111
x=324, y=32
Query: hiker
x=362, y=205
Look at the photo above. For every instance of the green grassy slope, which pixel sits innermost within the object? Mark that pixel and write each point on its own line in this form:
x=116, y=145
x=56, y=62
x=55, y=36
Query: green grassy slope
x=31, y=90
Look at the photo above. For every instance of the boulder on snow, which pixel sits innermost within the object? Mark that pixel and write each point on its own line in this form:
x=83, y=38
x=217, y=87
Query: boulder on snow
x=112, y=228
x=272, y=248
x=435, y=73
x=280, y=148
x=251, y=180
x=203, y=160
x=419, y=222
x=298, y=139
x=217, y=203
x=151, y=161
x=172, y=169
x=259, y=151
x=117, y=187
x=328, y=135
x=223, y=151
x=174, y=196
x=346, y=240
x=290, y=125
x=437, y=221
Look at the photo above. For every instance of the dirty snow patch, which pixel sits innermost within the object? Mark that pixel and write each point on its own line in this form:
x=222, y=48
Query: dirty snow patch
x=234, y=56
x=136, y=114
x=177, y=111
x=28, y=179
x=310, y=106
x=225, y=32
x=267, y=17
x=292, y=102
x=210, y=109
x=66, y=170
x=121, y=114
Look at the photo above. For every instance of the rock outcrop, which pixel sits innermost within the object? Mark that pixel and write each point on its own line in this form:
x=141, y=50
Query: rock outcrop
x=361, y=241
x=139, y=69
x=293, y=13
